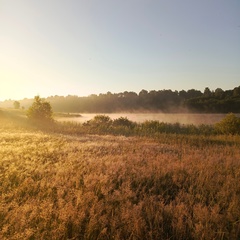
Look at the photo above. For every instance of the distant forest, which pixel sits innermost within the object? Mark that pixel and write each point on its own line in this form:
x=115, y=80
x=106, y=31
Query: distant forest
x=217, y=101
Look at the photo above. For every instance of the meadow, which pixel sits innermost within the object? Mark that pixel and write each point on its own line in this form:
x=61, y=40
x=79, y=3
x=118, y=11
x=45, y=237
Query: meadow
x=100, y=181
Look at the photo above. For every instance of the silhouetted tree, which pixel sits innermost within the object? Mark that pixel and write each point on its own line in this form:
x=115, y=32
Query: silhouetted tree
x=143, y=93
x=219, y=93
x=192, y=93
x=207, y=92
x=236, y=92
x=182, y=94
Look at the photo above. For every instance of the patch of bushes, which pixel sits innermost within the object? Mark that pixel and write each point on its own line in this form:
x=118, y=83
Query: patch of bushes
x=229, y=125
x=102, y=124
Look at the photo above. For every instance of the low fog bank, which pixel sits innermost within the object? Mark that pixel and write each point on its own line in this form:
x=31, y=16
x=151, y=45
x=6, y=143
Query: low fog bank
x=189, y=118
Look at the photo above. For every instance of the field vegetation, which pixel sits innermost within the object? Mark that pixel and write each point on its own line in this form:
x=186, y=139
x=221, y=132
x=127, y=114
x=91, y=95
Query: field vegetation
x=116, y=179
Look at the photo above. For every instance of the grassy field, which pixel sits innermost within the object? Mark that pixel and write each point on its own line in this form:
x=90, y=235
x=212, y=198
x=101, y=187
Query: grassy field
x=63, y=184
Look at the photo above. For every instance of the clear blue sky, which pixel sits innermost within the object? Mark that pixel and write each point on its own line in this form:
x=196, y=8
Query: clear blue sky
x=83, y=47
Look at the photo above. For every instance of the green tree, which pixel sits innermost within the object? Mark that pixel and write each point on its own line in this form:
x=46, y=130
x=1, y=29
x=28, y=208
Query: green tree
x=40, y=110
x=16, y=104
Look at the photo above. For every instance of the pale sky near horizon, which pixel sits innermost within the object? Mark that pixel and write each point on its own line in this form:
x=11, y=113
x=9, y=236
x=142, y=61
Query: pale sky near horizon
x=83, y=47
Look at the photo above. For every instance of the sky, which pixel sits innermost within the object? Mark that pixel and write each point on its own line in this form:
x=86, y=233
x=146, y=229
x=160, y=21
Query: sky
x=83, y=47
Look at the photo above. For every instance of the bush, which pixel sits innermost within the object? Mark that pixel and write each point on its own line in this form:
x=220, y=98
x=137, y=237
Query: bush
x=101, y=119
x=123, y=122
x=152, y=127
x=229, y=125
x=98, y=121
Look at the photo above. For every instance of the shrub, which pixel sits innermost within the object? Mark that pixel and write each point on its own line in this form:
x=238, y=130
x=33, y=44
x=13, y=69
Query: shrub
x=101, y=119
x=123, y=122
x=229, y=125
x=98, y=121
x=98, y=125
x=153, y=127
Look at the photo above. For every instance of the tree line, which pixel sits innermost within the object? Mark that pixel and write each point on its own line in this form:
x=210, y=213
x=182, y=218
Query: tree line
x=208, y=101
x=218, y=101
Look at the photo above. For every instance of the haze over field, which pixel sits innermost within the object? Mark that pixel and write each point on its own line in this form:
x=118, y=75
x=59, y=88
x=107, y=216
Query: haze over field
x=91, y=47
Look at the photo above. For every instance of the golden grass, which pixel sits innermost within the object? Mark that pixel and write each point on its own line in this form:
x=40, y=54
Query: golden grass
x=56, y=186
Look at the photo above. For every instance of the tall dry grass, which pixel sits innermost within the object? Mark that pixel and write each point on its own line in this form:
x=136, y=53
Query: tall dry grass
x=57, y=186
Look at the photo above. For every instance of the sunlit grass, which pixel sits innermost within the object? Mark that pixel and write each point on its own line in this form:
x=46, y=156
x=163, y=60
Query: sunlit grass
x=81, y=186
